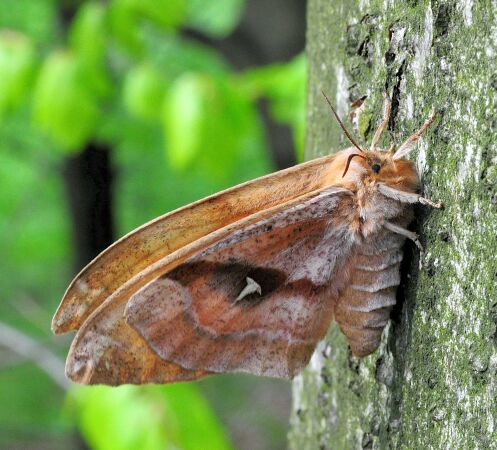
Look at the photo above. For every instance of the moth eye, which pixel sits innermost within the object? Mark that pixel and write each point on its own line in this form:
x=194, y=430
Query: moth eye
x=376, y=168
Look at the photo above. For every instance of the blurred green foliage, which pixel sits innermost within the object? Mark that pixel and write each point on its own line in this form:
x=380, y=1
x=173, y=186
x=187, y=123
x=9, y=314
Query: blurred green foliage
x=182, y=124
x=161, y=417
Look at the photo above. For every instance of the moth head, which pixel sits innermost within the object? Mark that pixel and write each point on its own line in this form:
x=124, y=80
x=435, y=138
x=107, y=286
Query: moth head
x=383, y=164
x=376, y=163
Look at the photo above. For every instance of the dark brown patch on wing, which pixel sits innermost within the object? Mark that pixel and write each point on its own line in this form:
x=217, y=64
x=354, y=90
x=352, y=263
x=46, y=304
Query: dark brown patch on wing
x=230, y=279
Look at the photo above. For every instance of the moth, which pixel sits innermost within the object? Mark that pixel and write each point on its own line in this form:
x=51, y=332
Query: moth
x=249, y=279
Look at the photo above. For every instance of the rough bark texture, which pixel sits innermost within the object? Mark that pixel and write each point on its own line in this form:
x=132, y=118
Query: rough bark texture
x=432, y=384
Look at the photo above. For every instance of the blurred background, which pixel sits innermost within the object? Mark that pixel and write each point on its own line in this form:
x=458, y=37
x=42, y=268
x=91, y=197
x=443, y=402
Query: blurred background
x=112, y=113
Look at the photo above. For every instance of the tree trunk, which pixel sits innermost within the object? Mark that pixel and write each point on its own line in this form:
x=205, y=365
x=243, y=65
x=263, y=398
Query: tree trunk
x=88, y=180
x=432, y=384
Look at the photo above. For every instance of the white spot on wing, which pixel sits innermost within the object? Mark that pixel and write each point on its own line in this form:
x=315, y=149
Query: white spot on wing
x=82, y=286
x=251, y=288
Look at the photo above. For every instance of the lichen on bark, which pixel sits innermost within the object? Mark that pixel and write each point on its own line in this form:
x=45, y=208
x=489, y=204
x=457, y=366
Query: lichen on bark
x=432, y=384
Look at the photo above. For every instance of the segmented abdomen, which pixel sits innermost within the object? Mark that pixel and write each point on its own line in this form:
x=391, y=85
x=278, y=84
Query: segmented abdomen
x=363, y=307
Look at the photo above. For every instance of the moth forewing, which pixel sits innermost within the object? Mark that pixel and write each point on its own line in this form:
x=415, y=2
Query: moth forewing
x=162, y=236
x=192, y=316
x=106, y=341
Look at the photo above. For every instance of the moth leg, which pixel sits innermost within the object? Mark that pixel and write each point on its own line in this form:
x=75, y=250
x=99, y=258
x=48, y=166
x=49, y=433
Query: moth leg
x=406, y=197
x=427, y=201
x=387, y=107
x=409, y=235
x=402, y=231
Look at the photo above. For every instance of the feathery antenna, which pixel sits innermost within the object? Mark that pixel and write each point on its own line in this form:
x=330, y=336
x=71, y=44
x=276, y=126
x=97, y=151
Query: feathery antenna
x=408, y=144
x=387, y=108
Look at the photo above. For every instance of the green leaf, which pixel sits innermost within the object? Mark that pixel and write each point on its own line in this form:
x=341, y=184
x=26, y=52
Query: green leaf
x=208, y=121
x=16, y=64
x=182, y=118
x=123, y=26
x=118, y=418
x=37, y=19
x=175, y=55
x=217, y=18
x=63, y=104
x=87, y=33
x=191, y=424
x=146, y=418
x=143, y=92
x=168, y=14
x=87, y=39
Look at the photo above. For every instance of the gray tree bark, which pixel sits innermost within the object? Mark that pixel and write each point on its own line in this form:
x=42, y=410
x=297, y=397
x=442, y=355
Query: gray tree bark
x=432, y=384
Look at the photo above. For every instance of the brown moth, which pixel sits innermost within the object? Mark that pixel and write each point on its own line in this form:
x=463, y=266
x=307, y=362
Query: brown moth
x=248, y=280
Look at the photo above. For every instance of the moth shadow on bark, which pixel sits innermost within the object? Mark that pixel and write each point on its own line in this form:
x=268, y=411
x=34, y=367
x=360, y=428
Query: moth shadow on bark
x=403, y=311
